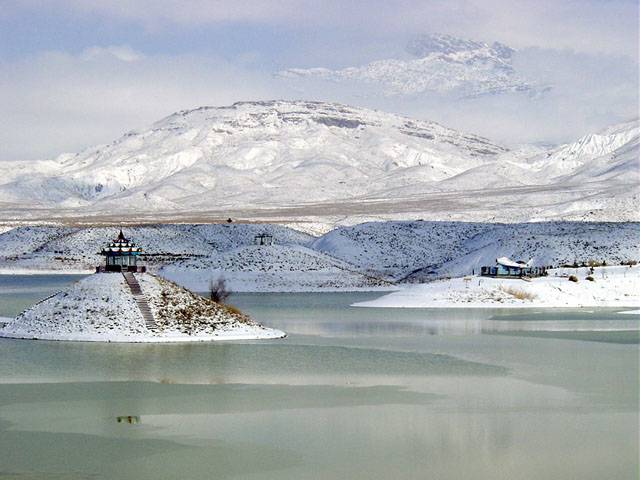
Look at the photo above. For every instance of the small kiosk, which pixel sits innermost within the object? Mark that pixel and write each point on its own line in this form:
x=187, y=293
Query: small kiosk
x=263, y=239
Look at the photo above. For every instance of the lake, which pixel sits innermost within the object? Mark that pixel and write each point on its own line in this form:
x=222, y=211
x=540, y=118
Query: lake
x=351, y=393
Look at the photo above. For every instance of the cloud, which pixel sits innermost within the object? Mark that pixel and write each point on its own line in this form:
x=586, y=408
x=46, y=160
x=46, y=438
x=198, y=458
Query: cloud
x=55, y=102
x=116, y=65
x=121, y=52
x=582, y=25
x=588, y=92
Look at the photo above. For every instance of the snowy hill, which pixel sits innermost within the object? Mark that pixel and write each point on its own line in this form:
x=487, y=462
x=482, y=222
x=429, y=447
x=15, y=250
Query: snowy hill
x=443, y=64
x=364, y=256
x=272, y=268
x=290, y=161
x=417, y=251
x=43, y=247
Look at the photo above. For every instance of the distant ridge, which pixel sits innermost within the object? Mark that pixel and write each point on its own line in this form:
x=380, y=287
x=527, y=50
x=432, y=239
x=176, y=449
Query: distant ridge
x=325, y=161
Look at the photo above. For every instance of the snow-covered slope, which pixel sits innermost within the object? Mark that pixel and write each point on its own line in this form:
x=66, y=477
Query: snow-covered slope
x=606, y=287
x=192, y=255
x=362, y=256
x=272, y=268
x=607, y=148
x=395, y=249
x=291, y=161
x=443, y=64
x=55, y=248
x=417, y=251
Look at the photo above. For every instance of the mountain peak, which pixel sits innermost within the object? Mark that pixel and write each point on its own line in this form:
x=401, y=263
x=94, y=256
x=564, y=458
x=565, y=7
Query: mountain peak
x=423, y=45
x=444, y=65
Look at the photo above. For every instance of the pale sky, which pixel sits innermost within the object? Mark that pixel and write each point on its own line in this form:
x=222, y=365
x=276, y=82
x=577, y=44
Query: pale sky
x=76, y=73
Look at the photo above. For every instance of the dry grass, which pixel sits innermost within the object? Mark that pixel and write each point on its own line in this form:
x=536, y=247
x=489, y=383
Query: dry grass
x=232, y=309
x=518, y=293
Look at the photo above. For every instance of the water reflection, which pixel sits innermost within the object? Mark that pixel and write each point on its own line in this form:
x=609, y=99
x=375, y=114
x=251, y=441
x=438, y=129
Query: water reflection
x=301, y=314
x=221, y=363
x=350, y=393
x=130, y=419
x=18, y=292
x=277, y=431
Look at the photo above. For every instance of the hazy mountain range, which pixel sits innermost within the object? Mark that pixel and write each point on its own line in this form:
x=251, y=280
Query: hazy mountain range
x=326, y=162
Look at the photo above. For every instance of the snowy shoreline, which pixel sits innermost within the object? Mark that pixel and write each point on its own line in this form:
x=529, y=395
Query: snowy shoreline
x=35, y=271
x=611, y=287
x=258, y=334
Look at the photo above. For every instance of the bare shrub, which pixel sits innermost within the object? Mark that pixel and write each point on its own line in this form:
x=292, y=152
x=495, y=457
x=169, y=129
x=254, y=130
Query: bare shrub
x=518, y=293
x=233, y=309
x=218, y=290
x=573, y=278
x=590, y=278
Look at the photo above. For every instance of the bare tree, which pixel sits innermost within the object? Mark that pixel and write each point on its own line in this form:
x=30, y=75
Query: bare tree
x=218, y=290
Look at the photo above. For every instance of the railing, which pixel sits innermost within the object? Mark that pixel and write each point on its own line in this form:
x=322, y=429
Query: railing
x=512, y=273
x=141, y=300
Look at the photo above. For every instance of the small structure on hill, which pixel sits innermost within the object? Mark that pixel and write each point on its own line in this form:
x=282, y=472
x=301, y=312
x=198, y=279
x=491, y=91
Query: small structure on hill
x=507, y=268
x=263, y=239
x=121, y=255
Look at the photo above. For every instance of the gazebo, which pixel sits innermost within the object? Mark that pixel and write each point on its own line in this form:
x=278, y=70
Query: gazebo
x=121, y=255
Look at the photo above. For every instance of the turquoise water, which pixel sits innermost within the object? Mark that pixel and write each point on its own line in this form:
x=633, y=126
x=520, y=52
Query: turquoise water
x=351, y=393
x=18, y=292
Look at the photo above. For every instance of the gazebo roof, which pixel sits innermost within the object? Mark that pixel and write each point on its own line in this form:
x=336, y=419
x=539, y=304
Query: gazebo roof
x=507, y=262
x=121, y=246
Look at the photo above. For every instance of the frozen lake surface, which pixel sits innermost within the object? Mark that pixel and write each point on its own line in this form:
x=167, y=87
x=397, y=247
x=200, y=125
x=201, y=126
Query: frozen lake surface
x=350, y=393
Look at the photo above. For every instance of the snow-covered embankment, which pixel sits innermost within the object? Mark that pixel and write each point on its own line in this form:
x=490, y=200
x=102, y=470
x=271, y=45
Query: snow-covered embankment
x=608, y=287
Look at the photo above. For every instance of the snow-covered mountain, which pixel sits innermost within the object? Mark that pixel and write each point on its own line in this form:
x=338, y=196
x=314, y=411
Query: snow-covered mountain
x=443, y=64
x=616, y=147
x=253, y=153
x=324, y=162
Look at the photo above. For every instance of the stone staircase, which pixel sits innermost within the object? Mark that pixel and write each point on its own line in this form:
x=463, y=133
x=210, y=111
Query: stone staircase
x=141, y=300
